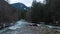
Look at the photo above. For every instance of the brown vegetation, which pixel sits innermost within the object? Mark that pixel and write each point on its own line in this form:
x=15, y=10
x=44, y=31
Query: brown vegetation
x=8, y=14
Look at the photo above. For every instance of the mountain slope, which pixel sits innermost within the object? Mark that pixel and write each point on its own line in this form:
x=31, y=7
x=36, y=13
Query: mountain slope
x=19, y=6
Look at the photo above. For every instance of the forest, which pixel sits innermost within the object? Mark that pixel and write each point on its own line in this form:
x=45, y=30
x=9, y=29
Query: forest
x=48, y=13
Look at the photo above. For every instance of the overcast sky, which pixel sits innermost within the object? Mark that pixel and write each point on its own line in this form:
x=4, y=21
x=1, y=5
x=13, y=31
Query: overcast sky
x=26, y=2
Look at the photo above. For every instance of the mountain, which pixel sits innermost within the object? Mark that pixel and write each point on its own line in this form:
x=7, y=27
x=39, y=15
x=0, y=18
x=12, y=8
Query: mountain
x=20, y=6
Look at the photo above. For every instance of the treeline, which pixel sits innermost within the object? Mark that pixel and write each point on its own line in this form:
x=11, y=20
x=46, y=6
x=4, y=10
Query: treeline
x=48, y=13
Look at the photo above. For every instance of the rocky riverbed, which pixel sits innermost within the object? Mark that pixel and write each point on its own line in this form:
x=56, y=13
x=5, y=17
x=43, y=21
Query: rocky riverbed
x=23, y=27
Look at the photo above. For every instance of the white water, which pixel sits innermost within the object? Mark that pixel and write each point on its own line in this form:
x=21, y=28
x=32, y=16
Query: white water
x=18, y=24
x=23, y=23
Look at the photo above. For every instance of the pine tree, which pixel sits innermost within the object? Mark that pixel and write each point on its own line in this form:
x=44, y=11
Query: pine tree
x=37, y=11
x=53, y=10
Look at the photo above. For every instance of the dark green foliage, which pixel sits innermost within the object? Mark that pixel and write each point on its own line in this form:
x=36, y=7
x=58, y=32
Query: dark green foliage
x=49, y=13
x=37, y=12
x=53, y=9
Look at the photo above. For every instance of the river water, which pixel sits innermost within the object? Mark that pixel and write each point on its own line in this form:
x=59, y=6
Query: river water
x=19, y=24
x=22, y=23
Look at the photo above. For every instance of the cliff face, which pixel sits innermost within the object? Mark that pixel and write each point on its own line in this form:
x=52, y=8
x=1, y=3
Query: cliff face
x=8, y=14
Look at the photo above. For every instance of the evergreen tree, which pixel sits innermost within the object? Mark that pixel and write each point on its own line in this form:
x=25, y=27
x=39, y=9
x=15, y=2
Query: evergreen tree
x=53, y=10
x=37, y=12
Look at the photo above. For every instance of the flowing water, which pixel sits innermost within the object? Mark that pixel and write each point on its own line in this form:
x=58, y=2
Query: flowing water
x=18, y=24
x=23, y=23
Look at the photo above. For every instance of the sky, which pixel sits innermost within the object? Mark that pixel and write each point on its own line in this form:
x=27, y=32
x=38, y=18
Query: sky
x=26, y=2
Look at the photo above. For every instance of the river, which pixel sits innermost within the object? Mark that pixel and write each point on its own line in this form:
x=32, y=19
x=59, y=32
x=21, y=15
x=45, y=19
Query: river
x=22, y=23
